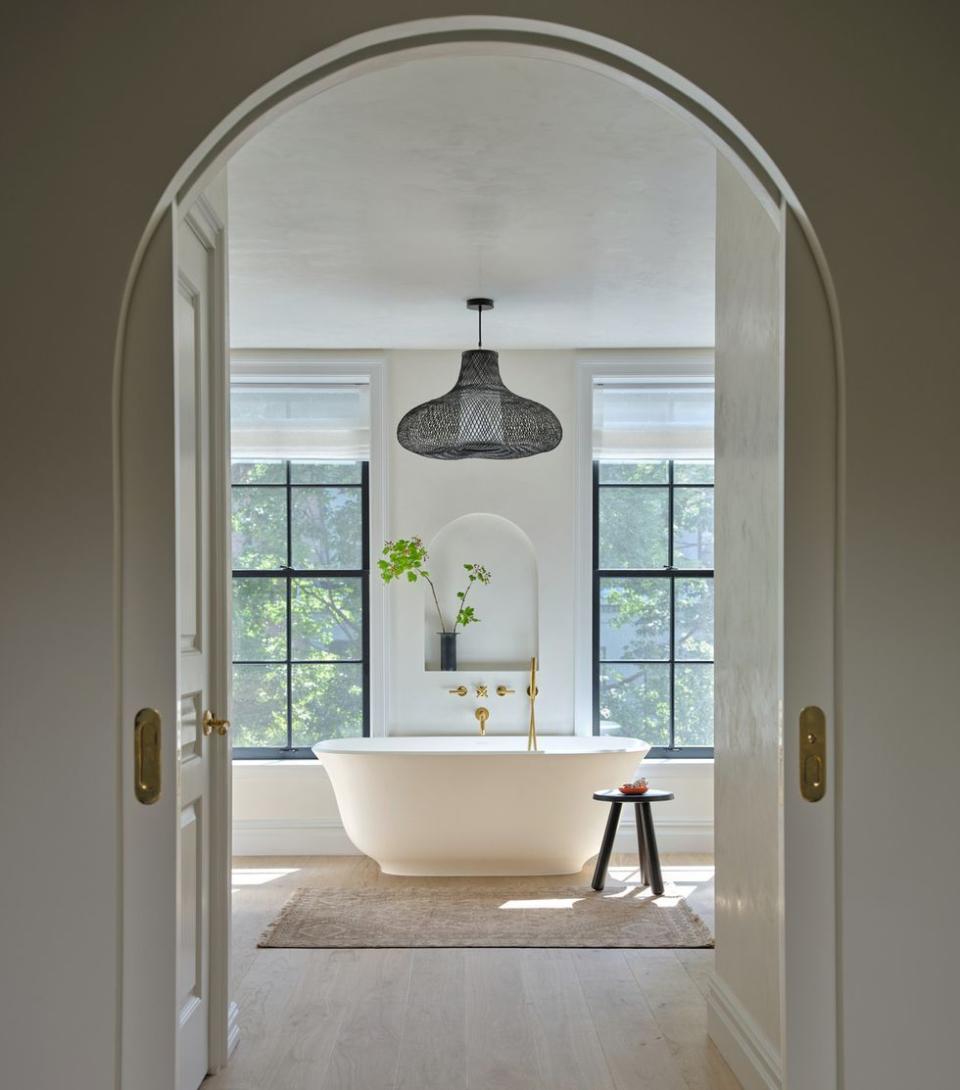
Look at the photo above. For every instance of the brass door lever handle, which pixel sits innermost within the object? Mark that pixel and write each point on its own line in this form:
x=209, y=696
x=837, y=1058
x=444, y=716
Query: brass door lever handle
x=210, y=722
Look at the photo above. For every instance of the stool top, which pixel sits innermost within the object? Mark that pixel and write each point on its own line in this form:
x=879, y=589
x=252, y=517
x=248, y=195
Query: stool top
x=614, y=795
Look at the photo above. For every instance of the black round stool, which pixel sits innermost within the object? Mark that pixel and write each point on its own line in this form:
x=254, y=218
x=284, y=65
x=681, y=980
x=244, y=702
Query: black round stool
x=646, y=837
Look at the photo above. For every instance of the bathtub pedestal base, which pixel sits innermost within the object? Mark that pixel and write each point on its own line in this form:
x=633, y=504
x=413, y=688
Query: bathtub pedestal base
x=480, y=869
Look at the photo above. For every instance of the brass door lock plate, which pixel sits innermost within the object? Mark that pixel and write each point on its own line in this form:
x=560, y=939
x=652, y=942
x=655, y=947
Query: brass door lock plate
x=813, y=753
x=146, y=756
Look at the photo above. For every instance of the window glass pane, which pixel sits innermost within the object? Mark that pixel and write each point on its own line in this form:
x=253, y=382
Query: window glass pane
x=634, y=473
x=327, y=702
x=327, y=528
x=635, y=702
x=258, y=473
x=259, y=619
x=326, y=618
x=259, y=528
x=693, y=528
x=325, y=472
x=633, y=527
x=634, y=619
x=693, y=472
x=259, y=706
x=694, y=705
x=693, y=638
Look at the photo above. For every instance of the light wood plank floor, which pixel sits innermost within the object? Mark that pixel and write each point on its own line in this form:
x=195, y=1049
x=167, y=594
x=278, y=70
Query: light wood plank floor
x=487, y=1019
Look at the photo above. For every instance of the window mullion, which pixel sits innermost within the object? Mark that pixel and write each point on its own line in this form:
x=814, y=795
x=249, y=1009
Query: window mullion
x=673, y=607
x=596, y=597
x=365, y=593
x=289, y=583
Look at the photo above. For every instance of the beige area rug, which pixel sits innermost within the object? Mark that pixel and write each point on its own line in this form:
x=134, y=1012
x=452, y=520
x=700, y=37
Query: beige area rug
x=499, y=912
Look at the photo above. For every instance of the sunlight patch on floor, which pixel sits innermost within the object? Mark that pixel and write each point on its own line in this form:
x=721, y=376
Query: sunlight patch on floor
x=259, y=876
x=543, y=902
x=689, y=877
x=680, y=882
x=698, y=875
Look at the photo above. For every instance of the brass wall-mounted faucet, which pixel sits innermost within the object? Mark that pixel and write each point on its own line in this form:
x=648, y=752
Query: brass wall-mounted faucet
x=482, y=715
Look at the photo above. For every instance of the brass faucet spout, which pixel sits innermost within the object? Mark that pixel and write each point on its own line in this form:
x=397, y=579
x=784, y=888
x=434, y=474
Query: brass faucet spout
x=532, y=691
x=482, y=715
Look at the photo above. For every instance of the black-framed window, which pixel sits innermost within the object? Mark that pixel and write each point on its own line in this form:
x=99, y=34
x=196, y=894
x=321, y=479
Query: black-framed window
x=301, y=640
x=653, y=530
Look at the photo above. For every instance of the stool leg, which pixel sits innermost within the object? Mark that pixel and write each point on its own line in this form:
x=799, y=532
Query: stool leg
x=653, y=856
x=642, y=848
x=603, y=859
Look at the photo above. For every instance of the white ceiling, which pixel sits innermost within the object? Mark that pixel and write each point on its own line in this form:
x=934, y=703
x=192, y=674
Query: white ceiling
x=365, y=216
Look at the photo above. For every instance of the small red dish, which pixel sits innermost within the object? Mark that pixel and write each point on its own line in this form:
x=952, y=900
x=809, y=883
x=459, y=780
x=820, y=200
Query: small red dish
x=633, y=789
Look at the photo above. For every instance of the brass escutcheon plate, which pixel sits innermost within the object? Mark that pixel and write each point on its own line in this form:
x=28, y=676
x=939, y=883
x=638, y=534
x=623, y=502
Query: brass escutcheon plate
x=813, y=753
x=146, y=756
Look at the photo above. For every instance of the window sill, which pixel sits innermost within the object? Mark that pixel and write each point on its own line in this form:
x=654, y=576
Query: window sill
x=276, y=762
x=694, y=768
x=678, y=760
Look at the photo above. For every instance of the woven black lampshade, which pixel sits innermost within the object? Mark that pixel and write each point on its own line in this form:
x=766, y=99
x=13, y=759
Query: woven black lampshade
x=479, y=417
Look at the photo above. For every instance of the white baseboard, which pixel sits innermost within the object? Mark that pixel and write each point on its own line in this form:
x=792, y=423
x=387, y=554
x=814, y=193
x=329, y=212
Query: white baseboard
x=313, y=836
x=325, y=836
x=233, y=1028
x=685, y=835
x=751, y=1057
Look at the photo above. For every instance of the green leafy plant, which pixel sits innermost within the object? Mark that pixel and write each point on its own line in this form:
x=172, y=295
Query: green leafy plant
x=406, y=558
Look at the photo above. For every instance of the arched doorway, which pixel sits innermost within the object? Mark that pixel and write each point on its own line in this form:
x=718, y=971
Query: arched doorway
x=145, y=359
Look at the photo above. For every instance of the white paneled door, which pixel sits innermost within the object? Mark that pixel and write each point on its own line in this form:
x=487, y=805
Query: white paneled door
x=196, y=732
x=176, y=846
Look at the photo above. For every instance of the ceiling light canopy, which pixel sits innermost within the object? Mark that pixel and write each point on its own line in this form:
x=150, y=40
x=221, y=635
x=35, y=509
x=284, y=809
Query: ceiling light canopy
x=479, y=417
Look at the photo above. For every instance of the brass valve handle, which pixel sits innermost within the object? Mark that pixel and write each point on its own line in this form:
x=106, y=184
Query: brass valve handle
x=502, y=690
x=460, y=690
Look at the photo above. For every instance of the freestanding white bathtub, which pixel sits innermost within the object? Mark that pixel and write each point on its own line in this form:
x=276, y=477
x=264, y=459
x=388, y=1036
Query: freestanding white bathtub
x=473, y=806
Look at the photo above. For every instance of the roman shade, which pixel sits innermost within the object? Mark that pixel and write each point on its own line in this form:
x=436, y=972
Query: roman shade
x=652, y=420
x=323, y=421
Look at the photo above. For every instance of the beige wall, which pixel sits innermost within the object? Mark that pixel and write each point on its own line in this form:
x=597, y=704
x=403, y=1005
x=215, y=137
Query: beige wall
x=855, y=103
x=536, y=495
x=748, y=535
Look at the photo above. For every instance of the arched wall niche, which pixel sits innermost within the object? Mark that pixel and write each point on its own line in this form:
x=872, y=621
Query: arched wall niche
x=507, y=633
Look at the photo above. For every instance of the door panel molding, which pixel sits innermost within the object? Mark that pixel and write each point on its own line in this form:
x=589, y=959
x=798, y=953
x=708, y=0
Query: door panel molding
x=208, y=218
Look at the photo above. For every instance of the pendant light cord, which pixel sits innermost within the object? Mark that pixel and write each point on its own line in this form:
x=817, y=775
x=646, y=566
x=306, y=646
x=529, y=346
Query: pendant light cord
x=479, y=327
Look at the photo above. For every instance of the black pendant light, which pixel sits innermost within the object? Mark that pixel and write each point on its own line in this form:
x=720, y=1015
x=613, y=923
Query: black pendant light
x=479, y=417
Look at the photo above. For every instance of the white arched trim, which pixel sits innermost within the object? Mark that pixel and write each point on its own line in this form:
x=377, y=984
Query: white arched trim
x=398, y=44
